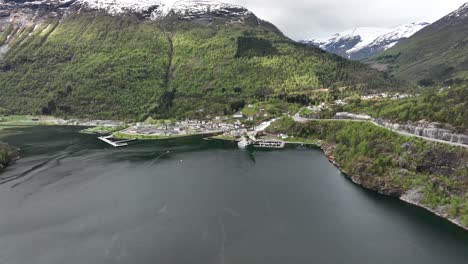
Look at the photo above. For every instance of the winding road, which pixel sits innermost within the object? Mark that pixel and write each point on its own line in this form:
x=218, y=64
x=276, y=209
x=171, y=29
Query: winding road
x=300, y=119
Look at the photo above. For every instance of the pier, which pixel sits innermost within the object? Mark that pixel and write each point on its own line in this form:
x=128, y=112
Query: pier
x=116, y=144
x=261, y=143
x=269, y=143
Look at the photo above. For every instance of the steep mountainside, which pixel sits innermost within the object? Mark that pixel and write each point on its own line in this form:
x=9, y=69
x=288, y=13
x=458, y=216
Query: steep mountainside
x=437, y=53
x=362, y=43
x=122, y=59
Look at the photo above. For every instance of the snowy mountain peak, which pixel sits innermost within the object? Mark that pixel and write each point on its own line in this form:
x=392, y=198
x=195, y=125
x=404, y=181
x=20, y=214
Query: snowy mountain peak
x=363, y=42
x=196, y=8
x=203, y=5
x=392, y=38
x=153, y=9
x=460, y=12
x=115, y=7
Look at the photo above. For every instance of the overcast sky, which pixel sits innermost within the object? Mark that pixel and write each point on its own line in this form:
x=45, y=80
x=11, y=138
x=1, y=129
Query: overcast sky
x=303, y=19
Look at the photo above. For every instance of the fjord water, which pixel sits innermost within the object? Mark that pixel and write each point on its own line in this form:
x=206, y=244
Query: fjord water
x=72, y=199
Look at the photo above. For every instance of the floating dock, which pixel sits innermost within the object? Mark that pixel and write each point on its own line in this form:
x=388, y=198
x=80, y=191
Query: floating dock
x=269, y=143
x=116, y=144
x=261, y=143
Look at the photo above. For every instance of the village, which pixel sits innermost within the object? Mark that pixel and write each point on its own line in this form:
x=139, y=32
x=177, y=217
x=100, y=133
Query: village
x=183, y=128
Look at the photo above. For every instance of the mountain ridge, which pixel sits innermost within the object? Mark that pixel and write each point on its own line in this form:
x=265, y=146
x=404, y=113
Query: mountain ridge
x=365, y=42
x=59, y=59
x=436, y=54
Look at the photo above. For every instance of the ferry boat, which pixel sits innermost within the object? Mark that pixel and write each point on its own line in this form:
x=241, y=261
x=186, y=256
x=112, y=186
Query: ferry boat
x=243, y=143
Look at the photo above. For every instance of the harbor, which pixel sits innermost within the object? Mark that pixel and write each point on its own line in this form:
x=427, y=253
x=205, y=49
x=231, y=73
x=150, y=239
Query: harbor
x=256, y=136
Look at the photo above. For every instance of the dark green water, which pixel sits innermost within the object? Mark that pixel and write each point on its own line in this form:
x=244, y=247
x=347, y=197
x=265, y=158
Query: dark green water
x=72, y=199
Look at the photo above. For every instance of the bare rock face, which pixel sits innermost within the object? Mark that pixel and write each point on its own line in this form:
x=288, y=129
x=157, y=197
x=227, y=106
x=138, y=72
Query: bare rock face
x=17, y=14
x=428, y=129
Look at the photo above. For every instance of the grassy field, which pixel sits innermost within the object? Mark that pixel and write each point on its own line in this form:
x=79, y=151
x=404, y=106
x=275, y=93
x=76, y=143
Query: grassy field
x=21, y=120
x=102, y=129
x=307, y=141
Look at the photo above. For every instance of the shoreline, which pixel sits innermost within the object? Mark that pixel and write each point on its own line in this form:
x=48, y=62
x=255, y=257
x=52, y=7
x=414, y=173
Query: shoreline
x=404, y=198
x=118, y=135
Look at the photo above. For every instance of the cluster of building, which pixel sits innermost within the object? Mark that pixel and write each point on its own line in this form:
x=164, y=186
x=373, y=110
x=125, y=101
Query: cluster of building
x=182, y=128
x=315, y=110
x=392, y=96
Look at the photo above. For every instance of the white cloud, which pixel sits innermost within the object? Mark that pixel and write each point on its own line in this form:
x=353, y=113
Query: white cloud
x=301, y=19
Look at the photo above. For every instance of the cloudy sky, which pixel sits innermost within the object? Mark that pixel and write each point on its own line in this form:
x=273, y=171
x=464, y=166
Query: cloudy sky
x=303, y=19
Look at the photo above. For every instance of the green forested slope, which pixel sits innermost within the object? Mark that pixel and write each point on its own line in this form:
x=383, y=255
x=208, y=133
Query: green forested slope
x=436, y=54
x=88, y=65
x=449, y=106
x=95, y=65
x=217, y=68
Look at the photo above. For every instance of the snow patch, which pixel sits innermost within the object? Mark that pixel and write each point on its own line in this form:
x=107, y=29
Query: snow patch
x=150, y=8
x=399, y=33
x=461, y=12
x=368, y=35
x=115, y=7
x=371, y=37
x=191, y=8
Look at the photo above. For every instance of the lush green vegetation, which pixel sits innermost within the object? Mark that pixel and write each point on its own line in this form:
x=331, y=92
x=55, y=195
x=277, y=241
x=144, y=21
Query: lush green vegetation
x=449, y=106
x=436, y=54
x=7, y=154
x=99, y=66
x=89, y=65
x=24, y=120
x=102, y=129
x=222, y=69
x=389, y=163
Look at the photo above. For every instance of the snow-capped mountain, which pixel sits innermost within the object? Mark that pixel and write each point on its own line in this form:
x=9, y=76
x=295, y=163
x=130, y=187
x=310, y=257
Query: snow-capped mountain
x=196, y=8
x=115, y=7
x=437, y=53
x=18, y=15
x=461, y=12
x=364, y=42
x=153, y=9
x=24, y=13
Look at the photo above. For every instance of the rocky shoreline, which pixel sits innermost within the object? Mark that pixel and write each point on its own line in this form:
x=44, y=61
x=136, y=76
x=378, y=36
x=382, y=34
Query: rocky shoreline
x=8, y=154
x=412, y=197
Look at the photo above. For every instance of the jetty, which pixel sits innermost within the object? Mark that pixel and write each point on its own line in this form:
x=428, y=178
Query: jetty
x=261, y=143
x=269, y=143
x=116, y=144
